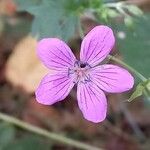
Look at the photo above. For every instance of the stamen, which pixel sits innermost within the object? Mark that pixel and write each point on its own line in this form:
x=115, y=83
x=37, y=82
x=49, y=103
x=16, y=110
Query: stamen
x=82, y=65
x=80, y=72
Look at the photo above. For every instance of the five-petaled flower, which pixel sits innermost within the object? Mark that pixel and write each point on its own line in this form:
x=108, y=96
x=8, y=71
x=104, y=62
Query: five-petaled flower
x=92, y=79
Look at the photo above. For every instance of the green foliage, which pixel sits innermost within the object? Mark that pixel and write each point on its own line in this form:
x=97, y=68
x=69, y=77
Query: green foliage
x=142, y=88
x=112, y=13
x=25, y=4
x=7, y=134
x=51, y=18
x=147, y=89
x=9, y=140
x=28, y=143
x=148, y=85
x=127, y=11
x=135, y=45
x=103, y=13
x=134, y=10
x=60, y=18
x=76, y=6
x=138, y=92
x=129, y=21
x=95, y=4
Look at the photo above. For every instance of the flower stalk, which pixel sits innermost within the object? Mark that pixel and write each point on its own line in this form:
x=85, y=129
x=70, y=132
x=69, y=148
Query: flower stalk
x=139, y=75
x=45, y=133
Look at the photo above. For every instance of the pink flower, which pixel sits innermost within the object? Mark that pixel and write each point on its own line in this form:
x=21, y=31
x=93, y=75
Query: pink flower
x=91, y=78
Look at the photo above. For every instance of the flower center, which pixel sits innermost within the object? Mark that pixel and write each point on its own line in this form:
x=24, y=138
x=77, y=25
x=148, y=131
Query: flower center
x=80, y=72
x=82, y=65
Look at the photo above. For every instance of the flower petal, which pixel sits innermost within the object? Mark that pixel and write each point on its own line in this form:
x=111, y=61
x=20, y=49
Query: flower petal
x=92, y=102
x=55, y=54
x=111, y=78
x=54, y=88
x=96, y=45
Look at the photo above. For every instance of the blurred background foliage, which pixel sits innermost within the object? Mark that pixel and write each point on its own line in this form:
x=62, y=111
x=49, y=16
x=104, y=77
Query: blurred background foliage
x=22, y=22
x=65, y=16
x=10, y=140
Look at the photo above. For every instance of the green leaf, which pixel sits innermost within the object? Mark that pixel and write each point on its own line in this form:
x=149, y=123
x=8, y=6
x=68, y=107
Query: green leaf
x=7, y=134
x=112, y=13
x=135, y=46
x=102, y=13
x=24, y=4
x=129, y=21
x=142, y=88
x=95, y=3
x=147, y=89
x=134, y=10
x=29, y=143
x=52, y=19
x=148, y=85
x=138, y=92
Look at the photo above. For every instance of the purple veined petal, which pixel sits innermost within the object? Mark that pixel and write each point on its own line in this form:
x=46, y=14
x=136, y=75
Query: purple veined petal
x=54, y=88
x=55, y=54
x=111, y=78
x=92, y=102
x=96, y=45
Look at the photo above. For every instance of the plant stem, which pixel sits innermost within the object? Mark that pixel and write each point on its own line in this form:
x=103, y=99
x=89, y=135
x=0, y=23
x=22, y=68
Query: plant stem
x=140, y=135
x=81, y=32
x=46, y=133
x=139, y=75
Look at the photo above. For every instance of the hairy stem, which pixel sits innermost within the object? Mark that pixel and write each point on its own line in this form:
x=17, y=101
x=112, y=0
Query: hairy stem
x=139, y=75
x=45, y=133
